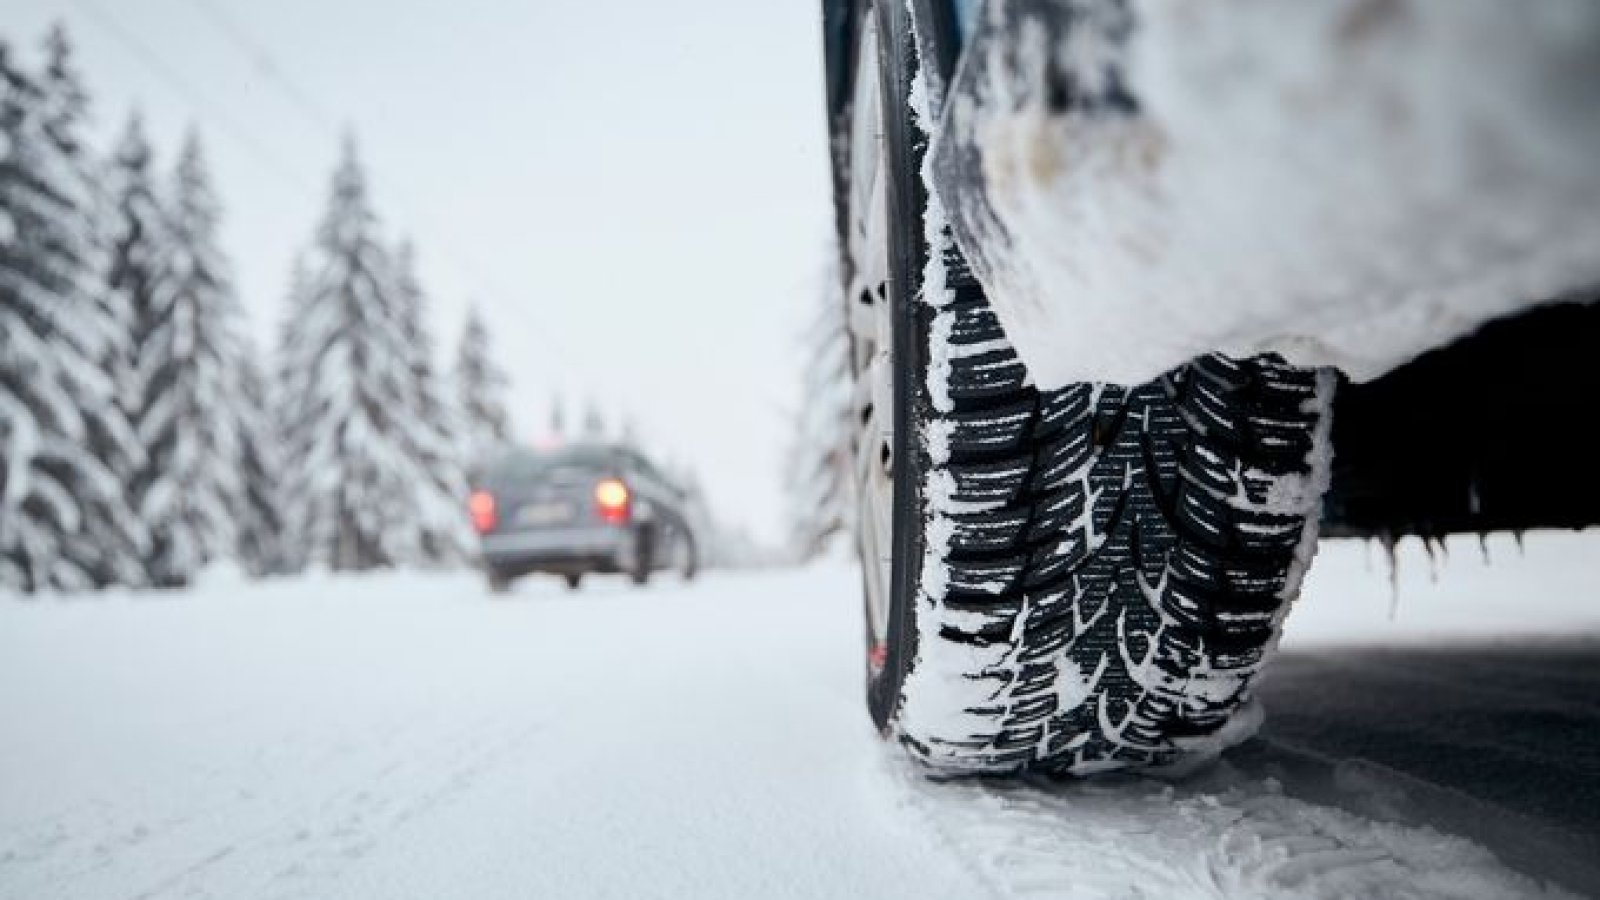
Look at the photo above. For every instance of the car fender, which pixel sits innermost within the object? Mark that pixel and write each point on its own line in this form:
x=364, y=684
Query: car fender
x=1343, y=182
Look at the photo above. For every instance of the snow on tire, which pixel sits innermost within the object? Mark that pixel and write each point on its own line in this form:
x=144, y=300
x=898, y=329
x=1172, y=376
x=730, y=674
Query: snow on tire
x=1082, y=579
x=1104, y=567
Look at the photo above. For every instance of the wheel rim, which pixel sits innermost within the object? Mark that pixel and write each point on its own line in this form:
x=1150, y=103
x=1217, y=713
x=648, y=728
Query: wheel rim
x=871, y=327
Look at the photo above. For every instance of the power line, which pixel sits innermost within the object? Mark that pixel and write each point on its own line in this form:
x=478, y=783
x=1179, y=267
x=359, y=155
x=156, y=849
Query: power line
x=265, y=64
x=303, y=101
x=176, y=81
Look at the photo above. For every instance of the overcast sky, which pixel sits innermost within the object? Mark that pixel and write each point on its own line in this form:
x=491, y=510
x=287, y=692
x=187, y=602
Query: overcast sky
x=634, y=193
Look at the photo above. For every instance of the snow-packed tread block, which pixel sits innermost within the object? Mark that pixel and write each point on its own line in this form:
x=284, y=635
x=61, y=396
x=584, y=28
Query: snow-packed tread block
x=989, y=373
x=988, y=577
x=1115, y=560
x=985, y=362
x=998, y=482
x=993, y=531
x=991, y=434
x=974, y=324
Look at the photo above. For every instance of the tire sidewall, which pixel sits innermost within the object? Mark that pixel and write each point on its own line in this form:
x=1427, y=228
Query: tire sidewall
x=906, y=203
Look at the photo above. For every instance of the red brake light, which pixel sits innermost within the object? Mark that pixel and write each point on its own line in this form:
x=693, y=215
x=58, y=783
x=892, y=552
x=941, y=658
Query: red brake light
x=481, y=505
x=611, y=496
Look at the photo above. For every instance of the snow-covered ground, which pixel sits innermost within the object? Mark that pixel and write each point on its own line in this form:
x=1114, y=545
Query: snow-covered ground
x=409, y=736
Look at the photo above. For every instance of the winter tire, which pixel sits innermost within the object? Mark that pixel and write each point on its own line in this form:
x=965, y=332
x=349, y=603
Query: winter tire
x=1067, y=581
x=573, y=580
x=498, y=583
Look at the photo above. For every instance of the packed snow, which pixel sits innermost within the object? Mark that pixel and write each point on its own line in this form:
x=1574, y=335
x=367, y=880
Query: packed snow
x=410, y=735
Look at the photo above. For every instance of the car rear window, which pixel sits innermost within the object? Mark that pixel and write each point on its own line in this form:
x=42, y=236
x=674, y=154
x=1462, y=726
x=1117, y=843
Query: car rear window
x=554, y=465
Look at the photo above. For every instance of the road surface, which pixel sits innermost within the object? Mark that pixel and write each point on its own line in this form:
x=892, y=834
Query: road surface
x=408, y=735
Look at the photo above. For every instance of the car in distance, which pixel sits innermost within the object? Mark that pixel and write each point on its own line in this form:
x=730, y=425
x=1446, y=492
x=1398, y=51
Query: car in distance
x=579, y=509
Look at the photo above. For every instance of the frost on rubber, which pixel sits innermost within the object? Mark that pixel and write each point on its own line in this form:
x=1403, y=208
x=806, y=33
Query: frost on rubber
x=1105, y=566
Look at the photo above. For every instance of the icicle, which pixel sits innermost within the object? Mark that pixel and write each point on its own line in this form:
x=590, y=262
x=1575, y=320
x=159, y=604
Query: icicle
x=1437, y=554
x=1483, y=545
x=1433, y=545
x=1390, y=543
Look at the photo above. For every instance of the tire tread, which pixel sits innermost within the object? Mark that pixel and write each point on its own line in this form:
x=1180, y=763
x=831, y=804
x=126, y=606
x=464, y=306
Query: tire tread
x=1136, y=533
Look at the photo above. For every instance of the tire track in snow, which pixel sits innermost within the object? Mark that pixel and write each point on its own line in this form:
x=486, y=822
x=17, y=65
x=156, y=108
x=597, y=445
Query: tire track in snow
x=297, y=844
x=352, y=823
x=1372, y=790
x=98, y=830
x=1223, y=836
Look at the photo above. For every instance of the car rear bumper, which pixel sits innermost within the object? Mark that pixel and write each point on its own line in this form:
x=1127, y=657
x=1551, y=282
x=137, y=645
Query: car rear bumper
x=582, y=548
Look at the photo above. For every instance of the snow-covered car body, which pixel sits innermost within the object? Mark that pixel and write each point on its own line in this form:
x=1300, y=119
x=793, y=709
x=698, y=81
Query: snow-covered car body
x=1346, y=183
x=1405, y=190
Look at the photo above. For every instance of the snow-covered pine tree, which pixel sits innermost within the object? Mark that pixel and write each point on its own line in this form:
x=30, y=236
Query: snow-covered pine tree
x=292, y=411
x=443, y=534
x=352, y=495
x=480, y=392
x=63, y=521
x=558, y=420
x=594, y=423
x=184, y=397
x=153, y=386
x=260, y=547
x=819, y=480
x=115, y=539
x=66, y=100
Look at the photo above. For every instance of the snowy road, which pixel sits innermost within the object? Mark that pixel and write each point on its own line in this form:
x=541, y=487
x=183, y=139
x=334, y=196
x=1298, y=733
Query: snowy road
x=408, y=736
